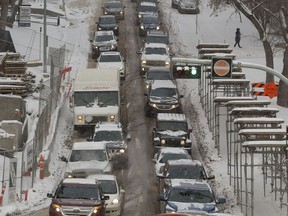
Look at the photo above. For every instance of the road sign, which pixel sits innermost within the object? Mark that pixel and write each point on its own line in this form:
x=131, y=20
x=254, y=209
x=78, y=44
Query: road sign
x=271, y=90
x=24, y=16
x=221, y=67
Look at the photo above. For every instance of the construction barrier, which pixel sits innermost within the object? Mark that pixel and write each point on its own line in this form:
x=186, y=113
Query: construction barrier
x=41, y=166
x=267, y=89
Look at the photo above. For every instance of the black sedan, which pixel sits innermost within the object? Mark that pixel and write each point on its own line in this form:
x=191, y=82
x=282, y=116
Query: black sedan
x=108, y=22
x=149, y=22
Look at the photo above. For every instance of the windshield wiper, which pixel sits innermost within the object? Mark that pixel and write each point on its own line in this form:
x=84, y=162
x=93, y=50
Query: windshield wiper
x=104, y=103
x=87, y=103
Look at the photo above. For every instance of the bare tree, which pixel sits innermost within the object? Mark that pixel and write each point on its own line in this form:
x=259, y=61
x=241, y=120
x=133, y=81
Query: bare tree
x=261, y=14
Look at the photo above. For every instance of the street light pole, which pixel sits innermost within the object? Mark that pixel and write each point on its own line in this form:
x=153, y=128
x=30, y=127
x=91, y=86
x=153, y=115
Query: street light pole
x=45, y=40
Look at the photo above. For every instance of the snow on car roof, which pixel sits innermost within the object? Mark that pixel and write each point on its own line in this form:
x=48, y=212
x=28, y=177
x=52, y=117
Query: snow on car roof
x=163, y=84
x=147, y=4
x=172, y=150
x=190, y=183
x=88, y=145
x=102, y=177
x=79, y=181
x=185, y=162
x=157, y=45
x=108, y=126
x=171, y=116
x=110, y=53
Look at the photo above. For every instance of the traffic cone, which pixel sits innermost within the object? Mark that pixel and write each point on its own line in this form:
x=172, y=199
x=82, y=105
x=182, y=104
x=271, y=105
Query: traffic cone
x=41, y=165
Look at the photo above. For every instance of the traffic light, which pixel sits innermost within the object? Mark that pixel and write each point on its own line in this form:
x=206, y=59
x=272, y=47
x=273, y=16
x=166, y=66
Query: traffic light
x=185, y=71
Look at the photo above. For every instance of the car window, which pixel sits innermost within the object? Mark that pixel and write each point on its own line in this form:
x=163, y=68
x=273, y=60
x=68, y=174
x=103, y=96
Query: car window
x=87, y=155
x=144, y=8
x=157, y=39
x=158, y=75
x=113, y=5
x=171, y=125
x=108, y=136
x=188, y=196
x=110, y=58
x=107, y=20
x=164, y=92
x=155, y=50
x=101, y=38
x=172, y=156
x=75, y=191
x=150, y=20
x=108, y=186
x=185, y=172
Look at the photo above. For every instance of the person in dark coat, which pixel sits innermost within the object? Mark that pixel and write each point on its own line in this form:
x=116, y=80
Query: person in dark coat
x=237, y=37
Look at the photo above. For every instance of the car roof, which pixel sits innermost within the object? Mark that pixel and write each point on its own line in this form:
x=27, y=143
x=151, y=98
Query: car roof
x=89, y=145
x=108, y=126
x=79, y=181
x=102, y=177
x=163, y=84
x=172, y=150
x=184, y=162
x=148, y=3
x=104, y=33
x=171, y=116
x=161, y=45
x=156, y=33
x=159, y=69
x=190, y=184
x=110, y=53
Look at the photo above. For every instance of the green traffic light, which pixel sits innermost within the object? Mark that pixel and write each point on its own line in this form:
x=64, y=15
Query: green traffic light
x=193, y=71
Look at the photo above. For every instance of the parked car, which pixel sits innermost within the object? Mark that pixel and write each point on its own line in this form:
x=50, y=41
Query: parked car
x=189, y=194
x=146, y=8
x=157, y=36
x=156, y=73
x=112, y=60
x=112, y=134
x=162, y=96
x=154, y=55
x=78, y=196
x=172, y=130
x=87, y=158
x=165, y=154
x=149, y=22
x=111, y=189
x=188, y=7
x=103, y=41
x=115, y=8
x=108, y=22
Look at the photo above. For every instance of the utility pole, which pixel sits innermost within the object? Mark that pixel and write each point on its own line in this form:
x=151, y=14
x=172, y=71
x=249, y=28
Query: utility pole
x=45, y=40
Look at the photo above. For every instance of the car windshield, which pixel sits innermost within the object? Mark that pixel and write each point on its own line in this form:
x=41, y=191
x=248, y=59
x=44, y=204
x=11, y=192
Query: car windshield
x=144, y=8
x=150, y=20
x=157, y=39
x=172, y=156
x=157, y=75
x=155, y=50
x=99, y=98
x=172, y=125
x=164, y=92
x=107, y=20
x=101, y=38
x=110, y=58
x=185, y=172
x=88, y=154
x=113, y=5
x=108, y=186
x=77, y=191
x=108, y=136
x=189, y=195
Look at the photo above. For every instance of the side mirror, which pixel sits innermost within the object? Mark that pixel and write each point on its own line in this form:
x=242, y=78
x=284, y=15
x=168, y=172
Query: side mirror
x=181, y=96
x=122, y=191
x=49, y=195
x=161, y=197
x=154, y=160
x=221, y=199
x=211, y=177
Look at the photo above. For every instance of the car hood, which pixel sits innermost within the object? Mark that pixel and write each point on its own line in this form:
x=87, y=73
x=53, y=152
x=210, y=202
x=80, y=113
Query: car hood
x=156, y=57
x=113, y=10
x=76, y=202
x=110, y=65
x=170, y=133
x=115, y=144
x=112, y=42
x=166, y=100
x=207, y=207
x=110, y=26
x=89, y=166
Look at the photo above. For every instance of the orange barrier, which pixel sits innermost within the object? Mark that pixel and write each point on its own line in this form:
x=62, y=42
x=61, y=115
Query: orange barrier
x=41, y=165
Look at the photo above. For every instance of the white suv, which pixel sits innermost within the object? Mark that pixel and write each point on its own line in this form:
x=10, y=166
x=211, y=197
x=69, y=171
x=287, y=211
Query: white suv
x=154, y=55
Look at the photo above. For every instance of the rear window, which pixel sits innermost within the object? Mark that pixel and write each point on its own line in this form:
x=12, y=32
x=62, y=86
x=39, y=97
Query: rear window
x=157, y=39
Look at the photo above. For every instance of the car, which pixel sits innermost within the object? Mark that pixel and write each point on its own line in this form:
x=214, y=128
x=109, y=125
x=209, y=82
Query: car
x=111, y=189
x=167, y=153
x=156, y=73
x=112, y=134
x=189, y=194
x=162, y=96
x=154, y=1
x=157, y=36
x=149, y=22
x=154, y=55
x=108, y=22
x=87, y=158
x=103, y=41
x=77, y=196
x=112, y=60
x=182, y=169
x=174, y=4
x=188, y=7
x=172, y=130
x=146, y=8
x=115, y=8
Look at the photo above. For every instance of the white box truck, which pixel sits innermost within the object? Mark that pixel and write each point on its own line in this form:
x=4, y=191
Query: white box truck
x=96, y=97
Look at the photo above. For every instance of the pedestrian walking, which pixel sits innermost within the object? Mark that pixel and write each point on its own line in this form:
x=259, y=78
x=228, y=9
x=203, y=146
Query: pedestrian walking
x=237, y=37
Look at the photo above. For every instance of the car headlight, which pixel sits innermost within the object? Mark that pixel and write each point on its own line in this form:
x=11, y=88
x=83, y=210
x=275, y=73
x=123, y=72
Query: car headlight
x=142, y=27
x=121, y=12
x=139, y=15
x=174, y=106
x=116, y=27
x=57, y=207
x=167, y=63
x=112, y=117
x=80, y=118
x=147, y=86
x=122, y=151
x=153, y=105
x=96, y=209
x=113, y=46
x=105, y=12
x=158, y=27
x=99, y=28
x=88, y=119
x=115, y=201
x=143, y=62
x=162, y=141
x=182, y=142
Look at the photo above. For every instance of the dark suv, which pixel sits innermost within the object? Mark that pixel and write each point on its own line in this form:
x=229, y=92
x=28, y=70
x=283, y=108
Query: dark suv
x=78, y=196
x=108, y=22
x=149, y=22
x=114, y=8
x=172, y=131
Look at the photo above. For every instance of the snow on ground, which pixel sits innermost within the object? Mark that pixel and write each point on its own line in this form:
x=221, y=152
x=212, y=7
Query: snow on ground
x=186, y=31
